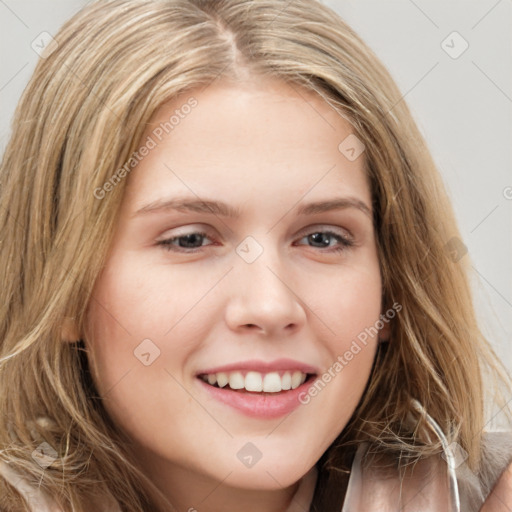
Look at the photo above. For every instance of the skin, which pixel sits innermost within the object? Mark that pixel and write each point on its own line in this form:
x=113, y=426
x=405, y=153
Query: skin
x=500, y=498
x=265, y=148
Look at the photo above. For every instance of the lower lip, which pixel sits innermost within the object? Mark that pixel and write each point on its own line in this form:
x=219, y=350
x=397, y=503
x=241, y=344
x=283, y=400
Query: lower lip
x=259, y=405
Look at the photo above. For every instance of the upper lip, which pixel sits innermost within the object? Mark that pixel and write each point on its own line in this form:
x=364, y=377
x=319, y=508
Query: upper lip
x=262, y=367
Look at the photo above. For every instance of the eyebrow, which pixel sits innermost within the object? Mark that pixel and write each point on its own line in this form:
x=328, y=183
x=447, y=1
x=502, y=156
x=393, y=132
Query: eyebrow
x=224, y=210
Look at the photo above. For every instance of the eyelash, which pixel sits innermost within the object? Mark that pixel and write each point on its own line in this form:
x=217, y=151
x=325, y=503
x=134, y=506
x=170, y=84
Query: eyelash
x=167, y=244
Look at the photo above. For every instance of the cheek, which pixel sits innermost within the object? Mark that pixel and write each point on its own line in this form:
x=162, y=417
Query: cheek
x=347, y=310
x=132, y=320
x=347, y=304
x=142, y=326
x=139, y=300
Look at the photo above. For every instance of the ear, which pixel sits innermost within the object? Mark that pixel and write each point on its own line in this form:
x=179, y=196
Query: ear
x=69, y=331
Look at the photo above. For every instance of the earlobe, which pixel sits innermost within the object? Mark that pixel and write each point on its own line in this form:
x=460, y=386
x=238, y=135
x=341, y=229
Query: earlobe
x=69, y=331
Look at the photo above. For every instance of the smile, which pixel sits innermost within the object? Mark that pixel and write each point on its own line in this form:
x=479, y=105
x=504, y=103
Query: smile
x=272, y=382
x=258, y=389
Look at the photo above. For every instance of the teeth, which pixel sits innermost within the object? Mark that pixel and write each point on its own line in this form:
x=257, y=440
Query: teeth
x=286, y=381
x=222, y=379
x=271, y=382
x=253, y=382
x=296, y=379
x=236, y=380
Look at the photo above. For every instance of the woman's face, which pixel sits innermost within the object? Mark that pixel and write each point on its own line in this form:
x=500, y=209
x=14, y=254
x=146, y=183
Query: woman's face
x=244, y=252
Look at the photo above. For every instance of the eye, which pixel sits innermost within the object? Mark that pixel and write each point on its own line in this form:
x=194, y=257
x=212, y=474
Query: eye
x=323, y=239
x=193, y=241
x=187, y=242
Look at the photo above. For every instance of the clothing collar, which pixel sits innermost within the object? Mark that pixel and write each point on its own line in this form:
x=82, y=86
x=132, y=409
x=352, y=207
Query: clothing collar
x=383, y=484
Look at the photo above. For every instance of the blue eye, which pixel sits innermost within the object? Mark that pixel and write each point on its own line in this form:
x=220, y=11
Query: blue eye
x=192, y=242
x=184, y=243
x=323, y=240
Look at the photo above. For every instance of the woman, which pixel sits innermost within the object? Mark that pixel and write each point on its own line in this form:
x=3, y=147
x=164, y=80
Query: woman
x=227, y=283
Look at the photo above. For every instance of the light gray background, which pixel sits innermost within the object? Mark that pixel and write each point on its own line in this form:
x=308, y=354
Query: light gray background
x=463, y=106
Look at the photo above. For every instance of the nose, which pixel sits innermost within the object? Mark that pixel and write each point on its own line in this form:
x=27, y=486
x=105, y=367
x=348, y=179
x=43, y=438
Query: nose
x=265, y=298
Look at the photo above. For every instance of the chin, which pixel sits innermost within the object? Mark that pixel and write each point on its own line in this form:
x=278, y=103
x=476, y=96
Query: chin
x=269, y=476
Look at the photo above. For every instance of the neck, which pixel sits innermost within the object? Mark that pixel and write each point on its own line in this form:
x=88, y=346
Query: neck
x=180, y=489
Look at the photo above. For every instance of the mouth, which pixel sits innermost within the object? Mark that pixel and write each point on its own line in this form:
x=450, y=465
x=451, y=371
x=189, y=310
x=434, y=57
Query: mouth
x=257, y=388
x=274, y=382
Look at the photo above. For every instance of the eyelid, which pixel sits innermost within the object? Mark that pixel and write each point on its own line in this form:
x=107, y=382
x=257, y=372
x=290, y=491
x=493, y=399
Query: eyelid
x=303, y=232
x=327, y=228
x=184, y=230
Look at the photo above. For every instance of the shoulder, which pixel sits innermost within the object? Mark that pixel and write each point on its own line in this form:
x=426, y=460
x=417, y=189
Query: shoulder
x=496, y=471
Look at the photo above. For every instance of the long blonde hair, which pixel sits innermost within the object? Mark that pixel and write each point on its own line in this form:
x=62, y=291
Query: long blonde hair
x=80, y=119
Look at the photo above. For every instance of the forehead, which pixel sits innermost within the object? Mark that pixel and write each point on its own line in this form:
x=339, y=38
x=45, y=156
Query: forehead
x=253, y=139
